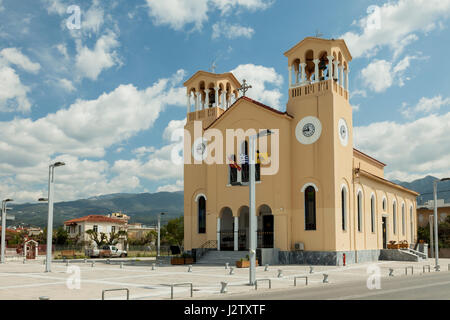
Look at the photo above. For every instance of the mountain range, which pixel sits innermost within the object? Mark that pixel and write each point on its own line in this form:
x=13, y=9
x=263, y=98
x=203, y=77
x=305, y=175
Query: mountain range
x=144, y=207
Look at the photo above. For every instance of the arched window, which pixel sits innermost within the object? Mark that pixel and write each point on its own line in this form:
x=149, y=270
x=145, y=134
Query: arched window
x=201, y=215
x=394, y=217
x=359, y=204
x=310, y=208
x=372, y=213
x=403, y=219
x=344, y=208
x=384, y=204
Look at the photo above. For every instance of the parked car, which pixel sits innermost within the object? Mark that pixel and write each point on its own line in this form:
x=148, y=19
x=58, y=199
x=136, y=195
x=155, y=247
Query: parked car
x=106, y=252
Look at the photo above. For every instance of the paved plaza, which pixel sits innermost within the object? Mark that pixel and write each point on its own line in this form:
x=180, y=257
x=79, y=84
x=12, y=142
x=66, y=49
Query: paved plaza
x=29, y=281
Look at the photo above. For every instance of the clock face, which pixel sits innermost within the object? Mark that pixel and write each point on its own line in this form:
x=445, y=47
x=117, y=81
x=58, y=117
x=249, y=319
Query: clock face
x=343, y=131
x=199, y=149
x=308, y=130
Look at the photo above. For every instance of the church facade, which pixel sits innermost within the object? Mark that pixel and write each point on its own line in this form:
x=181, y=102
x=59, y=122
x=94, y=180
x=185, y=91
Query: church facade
x=317, y=198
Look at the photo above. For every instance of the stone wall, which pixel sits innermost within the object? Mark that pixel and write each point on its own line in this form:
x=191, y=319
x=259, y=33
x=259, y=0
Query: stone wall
x=328, y=258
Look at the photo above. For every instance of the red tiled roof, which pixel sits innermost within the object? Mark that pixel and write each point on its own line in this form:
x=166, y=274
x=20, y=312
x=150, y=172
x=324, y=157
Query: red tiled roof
x=94, y=218
x=9, y=230
x=253, y=101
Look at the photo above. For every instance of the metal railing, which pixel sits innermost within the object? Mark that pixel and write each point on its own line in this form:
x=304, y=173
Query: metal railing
x=256, y=283
x=300, y=277
x=119, y=289
x=180, y=285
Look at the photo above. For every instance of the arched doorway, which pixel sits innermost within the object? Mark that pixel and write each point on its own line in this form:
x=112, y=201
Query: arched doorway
x=265, y=227
x=243, y=238
x=226, y=230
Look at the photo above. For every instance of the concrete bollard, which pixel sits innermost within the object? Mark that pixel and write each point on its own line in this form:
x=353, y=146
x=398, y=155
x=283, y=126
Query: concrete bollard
x=391, y=272
x=437, y=268
x=67, y=263
x=44, y=298
x=189, y=268
x=44, y=262
x=85, y=260
x=266, y=268
x=92, y=264
x=311, y=269
x=227, y=265
x=24, y=260
x=223, y=288
x=448, y=267
x=153, y=266
x=325, y=278
x=280, y=273
x=121, y=265
x=231, y=270
x=108, y=261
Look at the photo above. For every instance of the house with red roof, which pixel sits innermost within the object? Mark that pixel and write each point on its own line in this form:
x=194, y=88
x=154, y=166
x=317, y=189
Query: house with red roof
x=100, y=224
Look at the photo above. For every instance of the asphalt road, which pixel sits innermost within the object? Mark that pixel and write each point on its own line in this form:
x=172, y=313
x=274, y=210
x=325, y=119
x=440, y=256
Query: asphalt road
x=432, y=286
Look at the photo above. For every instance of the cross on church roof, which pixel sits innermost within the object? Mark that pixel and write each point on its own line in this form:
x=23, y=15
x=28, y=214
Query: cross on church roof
x=244, y=88
x=213, y=67
x=318, y=34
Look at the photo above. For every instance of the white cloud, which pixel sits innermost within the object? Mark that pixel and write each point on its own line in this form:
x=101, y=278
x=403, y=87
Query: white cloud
x=261, y=78
x=13, y=94
x=15, y=57
x=55, y=6
x=66, y=85
x=93, y=19
x=178, y=186
x=425, y=106
x=395, y=25
x=411, y=150
x=84, y=130
x=379, y=75
x=231, y=31
x=179, y=13
x=90, y=63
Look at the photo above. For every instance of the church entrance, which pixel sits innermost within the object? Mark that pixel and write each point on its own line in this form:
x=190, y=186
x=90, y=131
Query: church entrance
x=226, y=230
x=265, y=227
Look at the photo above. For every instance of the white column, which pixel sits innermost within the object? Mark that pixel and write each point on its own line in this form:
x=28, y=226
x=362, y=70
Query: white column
x=202, y=104
x=316, y=70
x=218, y=234
x=290, y=76
x=236, y=233
x=341, y=76
x=207, y=98
x=188, y=102
x=217, y=96
x=223, y=99
x=303, y=72
x=196, y=100
x=336, y=67
x=347, y=71
x=330, y=67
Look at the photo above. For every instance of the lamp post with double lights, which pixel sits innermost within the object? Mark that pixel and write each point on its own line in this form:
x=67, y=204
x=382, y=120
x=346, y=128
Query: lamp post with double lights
x=51, y=181
x=159, y=232
x=3, y=243
x=252, y=205
x=436, y=236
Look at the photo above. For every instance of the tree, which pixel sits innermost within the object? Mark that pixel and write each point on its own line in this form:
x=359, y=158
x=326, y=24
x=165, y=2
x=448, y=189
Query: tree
x=115, y=236
x=61, y=236
x=173, y=232
x=94, y=236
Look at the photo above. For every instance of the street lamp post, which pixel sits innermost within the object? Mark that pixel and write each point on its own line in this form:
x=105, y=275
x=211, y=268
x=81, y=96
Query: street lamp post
x=436, y=236
x=3, y=243
x=252, y=205
x=159, y=232
x=51, y=180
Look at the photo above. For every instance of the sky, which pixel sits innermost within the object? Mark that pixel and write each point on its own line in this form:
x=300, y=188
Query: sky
x=104, y=93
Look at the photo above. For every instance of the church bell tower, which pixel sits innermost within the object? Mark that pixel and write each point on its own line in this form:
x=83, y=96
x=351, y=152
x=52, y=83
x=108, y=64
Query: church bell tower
x=322, y=136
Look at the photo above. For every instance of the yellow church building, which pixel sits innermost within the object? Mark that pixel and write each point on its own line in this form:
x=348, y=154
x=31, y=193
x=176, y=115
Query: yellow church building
x=317, y=198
